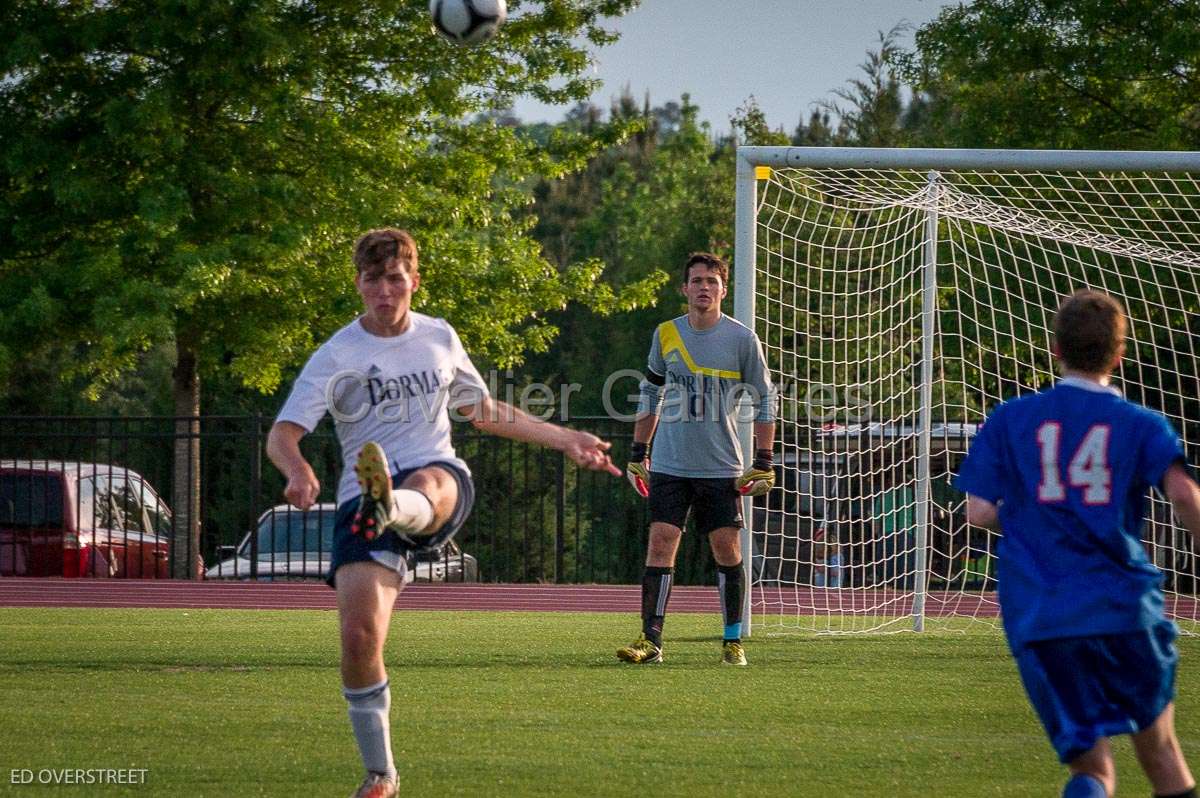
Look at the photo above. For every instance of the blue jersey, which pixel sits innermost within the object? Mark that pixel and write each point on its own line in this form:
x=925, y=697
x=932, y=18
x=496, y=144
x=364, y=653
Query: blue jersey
x=1070, y=468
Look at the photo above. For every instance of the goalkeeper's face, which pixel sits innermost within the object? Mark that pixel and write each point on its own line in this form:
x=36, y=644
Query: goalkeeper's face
x=704, y=289
x=387, y=293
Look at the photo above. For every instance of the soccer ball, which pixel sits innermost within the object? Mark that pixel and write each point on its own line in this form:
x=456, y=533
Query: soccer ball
x=467, y=21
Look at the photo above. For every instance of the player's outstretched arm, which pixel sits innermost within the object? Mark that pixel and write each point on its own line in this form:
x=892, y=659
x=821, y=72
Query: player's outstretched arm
x=283, y=448
x=1184, y=494
x=981, y=512
x=500, y=418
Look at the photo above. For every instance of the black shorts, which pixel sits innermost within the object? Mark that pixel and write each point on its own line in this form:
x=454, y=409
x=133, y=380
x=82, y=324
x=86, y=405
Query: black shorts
x=389, y=549
x=716, y=501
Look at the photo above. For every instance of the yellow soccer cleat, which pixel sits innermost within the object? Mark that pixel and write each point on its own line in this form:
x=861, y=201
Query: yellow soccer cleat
x=375, y=480
x=640, y=652
x=732, y=653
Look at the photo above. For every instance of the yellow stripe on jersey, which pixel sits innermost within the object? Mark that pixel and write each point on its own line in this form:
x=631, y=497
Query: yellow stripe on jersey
x=670, y=341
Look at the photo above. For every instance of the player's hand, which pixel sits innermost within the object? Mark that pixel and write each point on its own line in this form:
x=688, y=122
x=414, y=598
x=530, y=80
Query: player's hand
x=637, y=470
x=638, y=474
x=759, y=478
x=302, y=489
x=588, y=451
x=756, y=482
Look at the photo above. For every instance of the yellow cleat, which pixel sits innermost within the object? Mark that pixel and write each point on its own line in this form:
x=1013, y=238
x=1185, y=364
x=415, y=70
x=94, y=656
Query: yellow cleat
x=374, y=508
x=640, y=652
x=732, y=653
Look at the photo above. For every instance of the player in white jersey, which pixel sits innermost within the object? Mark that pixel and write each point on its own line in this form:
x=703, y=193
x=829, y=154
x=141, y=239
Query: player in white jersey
x=390, y=379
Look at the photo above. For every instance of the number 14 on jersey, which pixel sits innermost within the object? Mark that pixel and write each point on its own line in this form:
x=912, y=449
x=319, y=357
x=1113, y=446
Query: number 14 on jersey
x=1088, y=467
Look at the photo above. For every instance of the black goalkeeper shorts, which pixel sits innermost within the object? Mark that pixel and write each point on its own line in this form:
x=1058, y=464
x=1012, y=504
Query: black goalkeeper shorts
x=715, y=502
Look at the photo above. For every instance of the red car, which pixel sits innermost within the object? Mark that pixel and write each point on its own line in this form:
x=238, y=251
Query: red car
x=81, y=519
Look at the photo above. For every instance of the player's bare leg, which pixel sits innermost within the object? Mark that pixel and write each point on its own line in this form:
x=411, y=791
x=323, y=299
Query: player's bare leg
x=439, y=487
x=726, y=543
x=1092, y=773
x=366, y=593
x=656, y=591
x=1160, y=756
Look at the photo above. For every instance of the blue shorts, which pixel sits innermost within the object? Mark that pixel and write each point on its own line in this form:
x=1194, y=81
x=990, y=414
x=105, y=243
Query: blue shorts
x=390, y=549
x=1087, y=688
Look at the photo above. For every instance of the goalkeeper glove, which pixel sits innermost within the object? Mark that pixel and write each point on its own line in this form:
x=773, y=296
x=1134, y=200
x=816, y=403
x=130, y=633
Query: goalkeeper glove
x=760, y=477
x=637, y=471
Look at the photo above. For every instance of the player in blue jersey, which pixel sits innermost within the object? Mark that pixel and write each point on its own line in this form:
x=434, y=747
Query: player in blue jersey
x=698, y=366
x=1064, y=475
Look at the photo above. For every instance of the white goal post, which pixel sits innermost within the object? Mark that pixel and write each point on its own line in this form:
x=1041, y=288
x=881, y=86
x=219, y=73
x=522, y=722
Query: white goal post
x=900, y=294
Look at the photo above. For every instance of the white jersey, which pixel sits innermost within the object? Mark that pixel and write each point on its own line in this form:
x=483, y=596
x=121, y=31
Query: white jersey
x=396, y=391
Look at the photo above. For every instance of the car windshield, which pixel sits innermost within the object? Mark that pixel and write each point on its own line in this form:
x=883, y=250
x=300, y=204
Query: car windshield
x=295, y=532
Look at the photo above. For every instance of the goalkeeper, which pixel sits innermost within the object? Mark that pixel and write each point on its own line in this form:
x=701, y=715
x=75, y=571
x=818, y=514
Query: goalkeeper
x=698, y=365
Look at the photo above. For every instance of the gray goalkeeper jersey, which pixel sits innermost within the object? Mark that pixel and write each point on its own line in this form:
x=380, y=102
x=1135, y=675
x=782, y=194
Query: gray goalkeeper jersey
x=694, y=380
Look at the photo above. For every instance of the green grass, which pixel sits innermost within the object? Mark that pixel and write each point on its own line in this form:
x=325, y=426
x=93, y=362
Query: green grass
x=219, y=703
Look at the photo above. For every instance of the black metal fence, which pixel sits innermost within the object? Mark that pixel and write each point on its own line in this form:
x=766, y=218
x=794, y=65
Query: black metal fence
x=537, y=517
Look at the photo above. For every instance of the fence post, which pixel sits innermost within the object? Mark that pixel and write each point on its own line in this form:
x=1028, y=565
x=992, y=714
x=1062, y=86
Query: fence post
x=560, y=518
x=255, y=495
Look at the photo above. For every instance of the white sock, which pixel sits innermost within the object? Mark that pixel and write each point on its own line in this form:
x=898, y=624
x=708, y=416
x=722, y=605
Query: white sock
x=411, y=510
x=369, y=708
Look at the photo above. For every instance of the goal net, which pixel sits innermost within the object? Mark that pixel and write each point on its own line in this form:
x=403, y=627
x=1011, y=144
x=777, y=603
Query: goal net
x=899, y=304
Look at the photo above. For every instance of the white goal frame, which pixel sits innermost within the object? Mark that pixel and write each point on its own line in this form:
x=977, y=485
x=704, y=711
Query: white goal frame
x=753, y=164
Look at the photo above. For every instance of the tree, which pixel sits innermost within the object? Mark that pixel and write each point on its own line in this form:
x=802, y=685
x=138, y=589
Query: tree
x=195, y=174
x=1069, y=74
x=874, y=113
x=817, y=133
x=750, y=127
x=641, y=207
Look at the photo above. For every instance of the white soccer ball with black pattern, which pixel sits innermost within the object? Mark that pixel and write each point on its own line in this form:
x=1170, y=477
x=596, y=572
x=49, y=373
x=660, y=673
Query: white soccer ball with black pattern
x=467, y=21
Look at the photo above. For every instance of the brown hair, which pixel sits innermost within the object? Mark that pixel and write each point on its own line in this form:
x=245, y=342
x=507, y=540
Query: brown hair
x=1089, y=330
x=376, y=248
x=708, y=260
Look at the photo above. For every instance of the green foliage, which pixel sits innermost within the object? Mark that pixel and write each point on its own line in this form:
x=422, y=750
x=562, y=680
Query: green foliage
x=750, y=126
x=198, y=172
x=873, y=113
x=640, y=207
x=1070, y=74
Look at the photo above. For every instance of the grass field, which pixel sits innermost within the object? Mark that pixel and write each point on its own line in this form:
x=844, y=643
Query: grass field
x=232, y=703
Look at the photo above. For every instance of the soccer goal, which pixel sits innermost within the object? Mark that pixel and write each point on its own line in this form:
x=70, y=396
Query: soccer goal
x=899, y=296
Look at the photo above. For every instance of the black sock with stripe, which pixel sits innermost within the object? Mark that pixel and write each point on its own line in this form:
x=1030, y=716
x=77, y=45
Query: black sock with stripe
x=656, y=592
x=729, y=586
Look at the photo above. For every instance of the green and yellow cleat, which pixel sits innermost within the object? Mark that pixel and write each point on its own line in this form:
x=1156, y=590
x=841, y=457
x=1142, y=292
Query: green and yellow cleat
x=640, y=652
x=732, y=653
x=375, y=480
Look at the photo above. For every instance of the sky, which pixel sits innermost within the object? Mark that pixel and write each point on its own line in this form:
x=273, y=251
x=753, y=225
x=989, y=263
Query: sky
x=788, y=54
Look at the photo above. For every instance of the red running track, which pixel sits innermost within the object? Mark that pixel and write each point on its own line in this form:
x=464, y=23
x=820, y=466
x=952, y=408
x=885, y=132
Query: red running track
x=24, y=592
